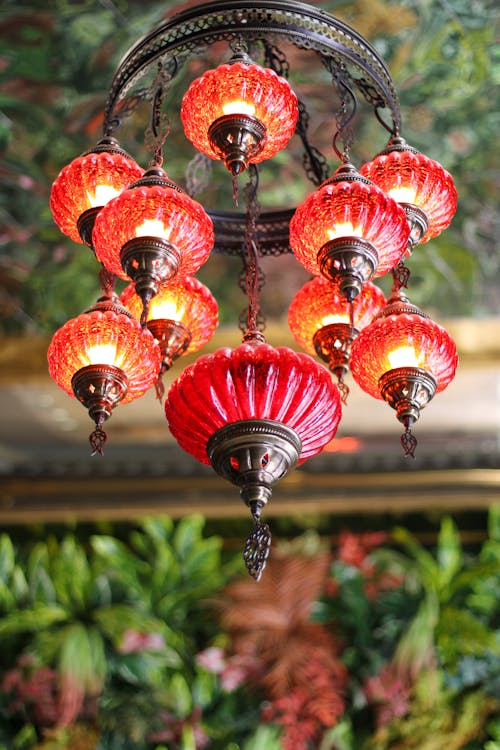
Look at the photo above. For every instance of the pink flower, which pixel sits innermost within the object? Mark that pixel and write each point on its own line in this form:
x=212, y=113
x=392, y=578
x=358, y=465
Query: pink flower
x=133, y=641
x=389, y=693
x=212, y=660
x=238, y=670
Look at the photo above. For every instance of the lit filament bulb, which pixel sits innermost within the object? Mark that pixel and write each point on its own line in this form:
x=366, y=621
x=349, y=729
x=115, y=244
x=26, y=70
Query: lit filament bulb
x=165, y=310
x=404, y=356
x=102, y=195
x=153, y=228
x=329, y=320
x=403, y=194
x=342, y=229
x=102, y=354
x=239, y=108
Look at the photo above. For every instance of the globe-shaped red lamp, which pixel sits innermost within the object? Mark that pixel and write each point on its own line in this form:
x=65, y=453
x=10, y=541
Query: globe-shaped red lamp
x=419, y=184
x=240, y=113
x=253, y=413
x=349, y=230
x=324, y=323
x=103, y=357
x=405, y=358
x=87, y=184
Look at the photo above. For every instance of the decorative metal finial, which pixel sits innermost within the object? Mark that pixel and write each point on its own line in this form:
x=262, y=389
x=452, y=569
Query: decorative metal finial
x=257, y=545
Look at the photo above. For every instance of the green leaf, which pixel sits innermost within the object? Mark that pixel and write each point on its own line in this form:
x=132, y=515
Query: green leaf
x=82, y=657
x=180, y=696
x=37, y=618
x=188, y=535
x=449, y=552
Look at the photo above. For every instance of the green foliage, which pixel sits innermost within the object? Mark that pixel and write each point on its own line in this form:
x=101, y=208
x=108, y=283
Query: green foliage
x=121, y=623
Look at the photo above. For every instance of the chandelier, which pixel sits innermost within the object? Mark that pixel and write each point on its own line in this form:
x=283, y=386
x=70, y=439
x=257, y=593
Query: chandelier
x=255, y=411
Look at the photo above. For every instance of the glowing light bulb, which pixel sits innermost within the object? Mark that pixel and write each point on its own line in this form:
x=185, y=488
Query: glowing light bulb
x=404, y=356
x=239, y=108
x=102, y=354
x=329, y=320
x=403, y=194
x=102, y=195
x=343, y=229
x=165, y=310
x=153, y=228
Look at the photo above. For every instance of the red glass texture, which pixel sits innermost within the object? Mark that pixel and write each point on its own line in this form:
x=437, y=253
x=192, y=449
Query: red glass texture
x=190, y=229
x=319, y=299
x=435, y=349
x=253, y=382
x=274, y=101
x=195, y=305
x=137, y=353
x=435, y=191
x=374, y=214
x=69, y=197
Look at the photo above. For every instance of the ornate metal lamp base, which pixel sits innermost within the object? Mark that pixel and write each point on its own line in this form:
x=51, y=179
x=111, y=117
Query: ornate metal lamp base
x=173, y=338
x=418, y=221
x=85, y=224
x=333, y=345
x=254, y=454
x=407, y=390
x=149, y=261
x=351, y=260
x=236, y=139
x=99, y=388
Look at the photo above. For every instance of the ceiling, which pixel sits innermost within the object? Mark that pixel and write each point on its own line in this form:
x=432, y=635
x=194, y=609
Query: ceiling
x=46, y=472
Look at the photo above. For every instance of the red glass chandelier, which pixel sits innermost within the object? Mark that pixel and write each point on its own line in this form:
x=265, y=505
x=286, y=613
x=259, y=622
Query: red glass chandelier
x=254, y=411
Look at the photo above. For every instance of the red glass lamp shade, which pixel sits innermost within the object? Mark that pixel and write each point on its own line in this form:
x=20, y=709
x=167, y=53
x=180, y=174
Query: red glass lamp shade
x=404, y=357
x=349, y=230
x=88, y=183
x=320, y=319
x=103, y=357
x=415, y=180
x=154, y=209
x=245, y=96
x=319, y=304
x=185, y=301
x=253, y=382
x=182, y=317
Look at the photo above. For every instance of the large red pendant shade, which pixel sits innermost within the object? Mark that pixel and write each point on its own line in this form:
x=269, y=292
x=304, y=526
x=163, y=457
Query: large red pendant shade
x=405, y=358
x=88, y=183
x=349, y=230
x=239, y=112
x=421, y=185
x=253, y=413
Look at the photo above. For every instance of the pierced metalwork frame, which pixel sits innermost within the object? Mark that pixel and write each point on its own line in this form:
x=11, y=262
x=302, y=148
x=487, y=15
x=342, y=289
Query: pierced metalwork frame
x=304, y=26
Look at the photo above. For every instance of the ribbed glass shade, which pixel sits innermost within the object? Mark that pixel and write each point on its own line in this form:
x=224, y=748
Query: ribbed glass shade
x=319, y=303
x=153, y=211
x=187, y=301
x=414, y=178
x=105, y=338
x=349, y=208
x=87, y=182
x=253, y=382
x=240, y=88
x=402, y=340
